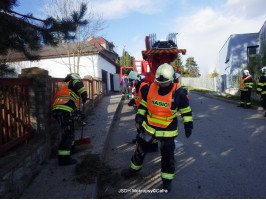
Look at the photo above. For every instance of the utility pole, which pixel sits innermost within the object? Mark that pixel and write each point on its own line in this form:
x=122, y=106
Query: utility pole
x=124, y=58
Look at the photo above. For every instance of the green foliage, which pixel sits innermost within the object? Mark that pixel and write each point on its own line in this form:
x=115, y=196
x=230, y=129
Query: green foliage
x=254, y=67
x=23, y=35
x=263, y=57
x=126, y=60
x=192, y=69
x=178, y=62
x=4, y=69
x=26, y=34
x=214, y=73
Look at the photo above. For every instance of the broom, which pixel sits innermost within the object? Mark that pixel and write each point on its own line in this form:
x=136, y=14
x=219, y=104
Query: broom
x=82, y=140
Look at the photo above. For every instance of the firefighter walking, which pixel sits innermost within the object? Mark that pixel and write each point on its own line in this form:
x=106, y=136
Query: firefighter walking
x=139, y=84
x=66, y=104
x=157, y=119
x=261, y=89
x=246, y=85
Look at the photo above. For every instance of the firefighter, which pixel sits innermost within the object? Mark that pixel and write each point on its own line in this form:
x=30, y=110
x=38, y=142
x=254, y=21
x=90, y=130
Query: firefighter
x=261, y=89
x=65, y=106
x=157, y=119
x=246, y=84
x=124, y=87
x=138, y=81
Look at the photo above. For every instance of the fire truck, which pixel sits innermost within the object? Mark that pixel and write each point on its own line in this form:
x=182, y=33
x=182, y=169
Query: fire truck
x=157, y=52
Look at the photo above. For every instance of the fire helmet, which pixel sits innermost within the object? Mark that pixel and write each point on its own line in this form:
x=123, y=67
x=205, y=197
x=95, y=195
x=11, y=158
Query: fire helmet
x=246, y=72
x=263, y=70
x=164, y=73
x=132, y=76
x=75, y=76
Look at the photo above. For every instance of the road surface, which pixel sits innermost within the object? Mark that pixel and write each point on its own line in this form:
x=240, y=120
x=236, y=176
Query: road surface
x=225, y=157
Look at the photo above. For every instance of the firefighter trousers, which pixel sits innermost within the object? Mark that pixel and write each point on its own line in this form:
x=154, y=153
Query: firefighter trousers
x=125, y=92
x=67, y=139
x=167, y=157
x=263, y=101
x=245, y=97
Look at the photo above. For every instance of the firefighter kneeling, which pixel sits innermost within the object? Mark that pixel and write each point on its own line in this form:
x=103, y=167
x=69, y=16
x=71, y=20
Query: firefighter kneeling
x=157, y=119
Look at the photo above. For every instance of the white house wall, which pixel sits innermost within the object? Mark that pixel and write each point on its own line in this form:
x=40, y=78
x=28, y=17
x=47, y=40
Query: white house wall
x=58, y=67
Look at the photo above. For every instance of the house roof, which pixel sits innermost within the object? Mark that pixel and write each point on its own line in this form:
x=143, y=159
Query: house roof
x=97, y=42
x=48, y=51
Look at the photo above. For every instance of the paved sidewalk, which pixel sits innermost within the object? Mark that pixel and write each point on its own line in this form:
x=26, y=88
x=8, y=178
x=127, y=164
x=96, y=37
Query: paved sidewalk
x=53, y=181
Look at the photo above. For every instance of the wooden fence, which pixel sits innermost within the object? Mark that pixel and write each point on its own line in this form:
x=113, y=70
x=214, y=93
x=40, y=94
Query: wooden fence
x=15, y=124
x=15, y=112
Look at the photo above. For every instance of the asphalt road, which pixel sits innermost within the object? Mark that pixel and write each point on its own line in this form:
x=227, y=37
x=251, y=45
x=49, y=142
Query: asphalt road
x=225, y=157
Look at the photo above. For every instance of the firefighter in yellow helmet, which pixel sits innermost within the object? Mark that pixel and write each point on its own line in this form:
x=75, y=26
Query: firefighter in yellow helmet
x=246, y=85
x=66, y=104
x=261, y=89
x=157, y=119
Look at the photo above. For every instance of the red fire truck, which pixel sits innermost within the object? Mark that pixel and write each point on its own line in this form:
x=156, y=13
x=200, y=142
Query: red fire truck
x=157, y=52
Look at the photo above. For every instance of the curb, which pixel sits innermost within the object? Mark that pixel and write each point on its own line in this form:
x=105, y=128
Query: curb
x=109, y=127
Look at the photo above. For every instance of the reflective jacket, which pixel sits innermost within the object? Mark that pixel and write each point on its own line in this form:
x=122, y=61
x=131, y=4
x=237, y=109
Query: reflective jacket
x=158, y=113
x=67, y=98
x=261, y=88
x=137, y=94
x=246, y=83
x=159, y=107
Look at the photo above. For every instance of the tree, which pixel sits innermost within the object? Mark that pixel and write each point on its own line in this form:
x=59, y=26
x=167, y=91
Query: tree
x=91, y=26
x=126, y=60
x=178, y=62
x=26, y=34
x=192, y=70
x=214, y=73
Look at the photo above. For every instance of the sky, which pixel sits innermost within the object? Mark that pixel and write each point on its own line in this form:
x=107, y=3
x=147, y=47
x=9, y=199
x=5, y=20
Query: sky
x=203, y=26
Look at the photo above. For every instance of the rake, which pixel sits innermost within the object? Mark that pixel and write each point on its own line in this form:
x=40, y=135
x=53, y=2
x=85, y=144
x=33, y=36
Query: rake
x=82, y=140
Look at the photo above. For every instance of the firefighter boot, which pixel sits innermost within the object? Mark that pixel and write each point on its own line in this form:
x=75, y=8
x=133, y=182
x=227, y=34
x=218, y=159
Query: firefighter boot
x=240, y=105
x=66, y=160
x=128, y=173
x=167, y=185
x=265, y=114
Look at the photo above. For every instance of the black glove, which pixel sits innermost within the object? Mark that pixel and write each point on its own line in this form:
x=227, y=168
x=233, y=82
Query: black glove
x=188, y=132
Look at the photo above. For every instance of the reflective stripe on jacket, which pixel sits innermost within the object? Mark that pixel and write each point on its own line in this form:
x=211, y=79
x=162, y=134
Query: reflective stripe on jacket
x=246, y=83
x=261, y=88
x=159, y=107
x=137, y=95
x=63, y=96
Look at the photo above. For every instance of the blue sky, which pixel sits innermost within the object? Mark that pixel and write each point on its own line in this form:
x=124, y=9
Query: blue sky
x=203, y=26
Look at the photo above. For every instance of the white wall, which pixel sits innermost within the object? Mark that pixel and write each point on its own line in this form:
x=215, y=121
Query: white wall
x=58, y=67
